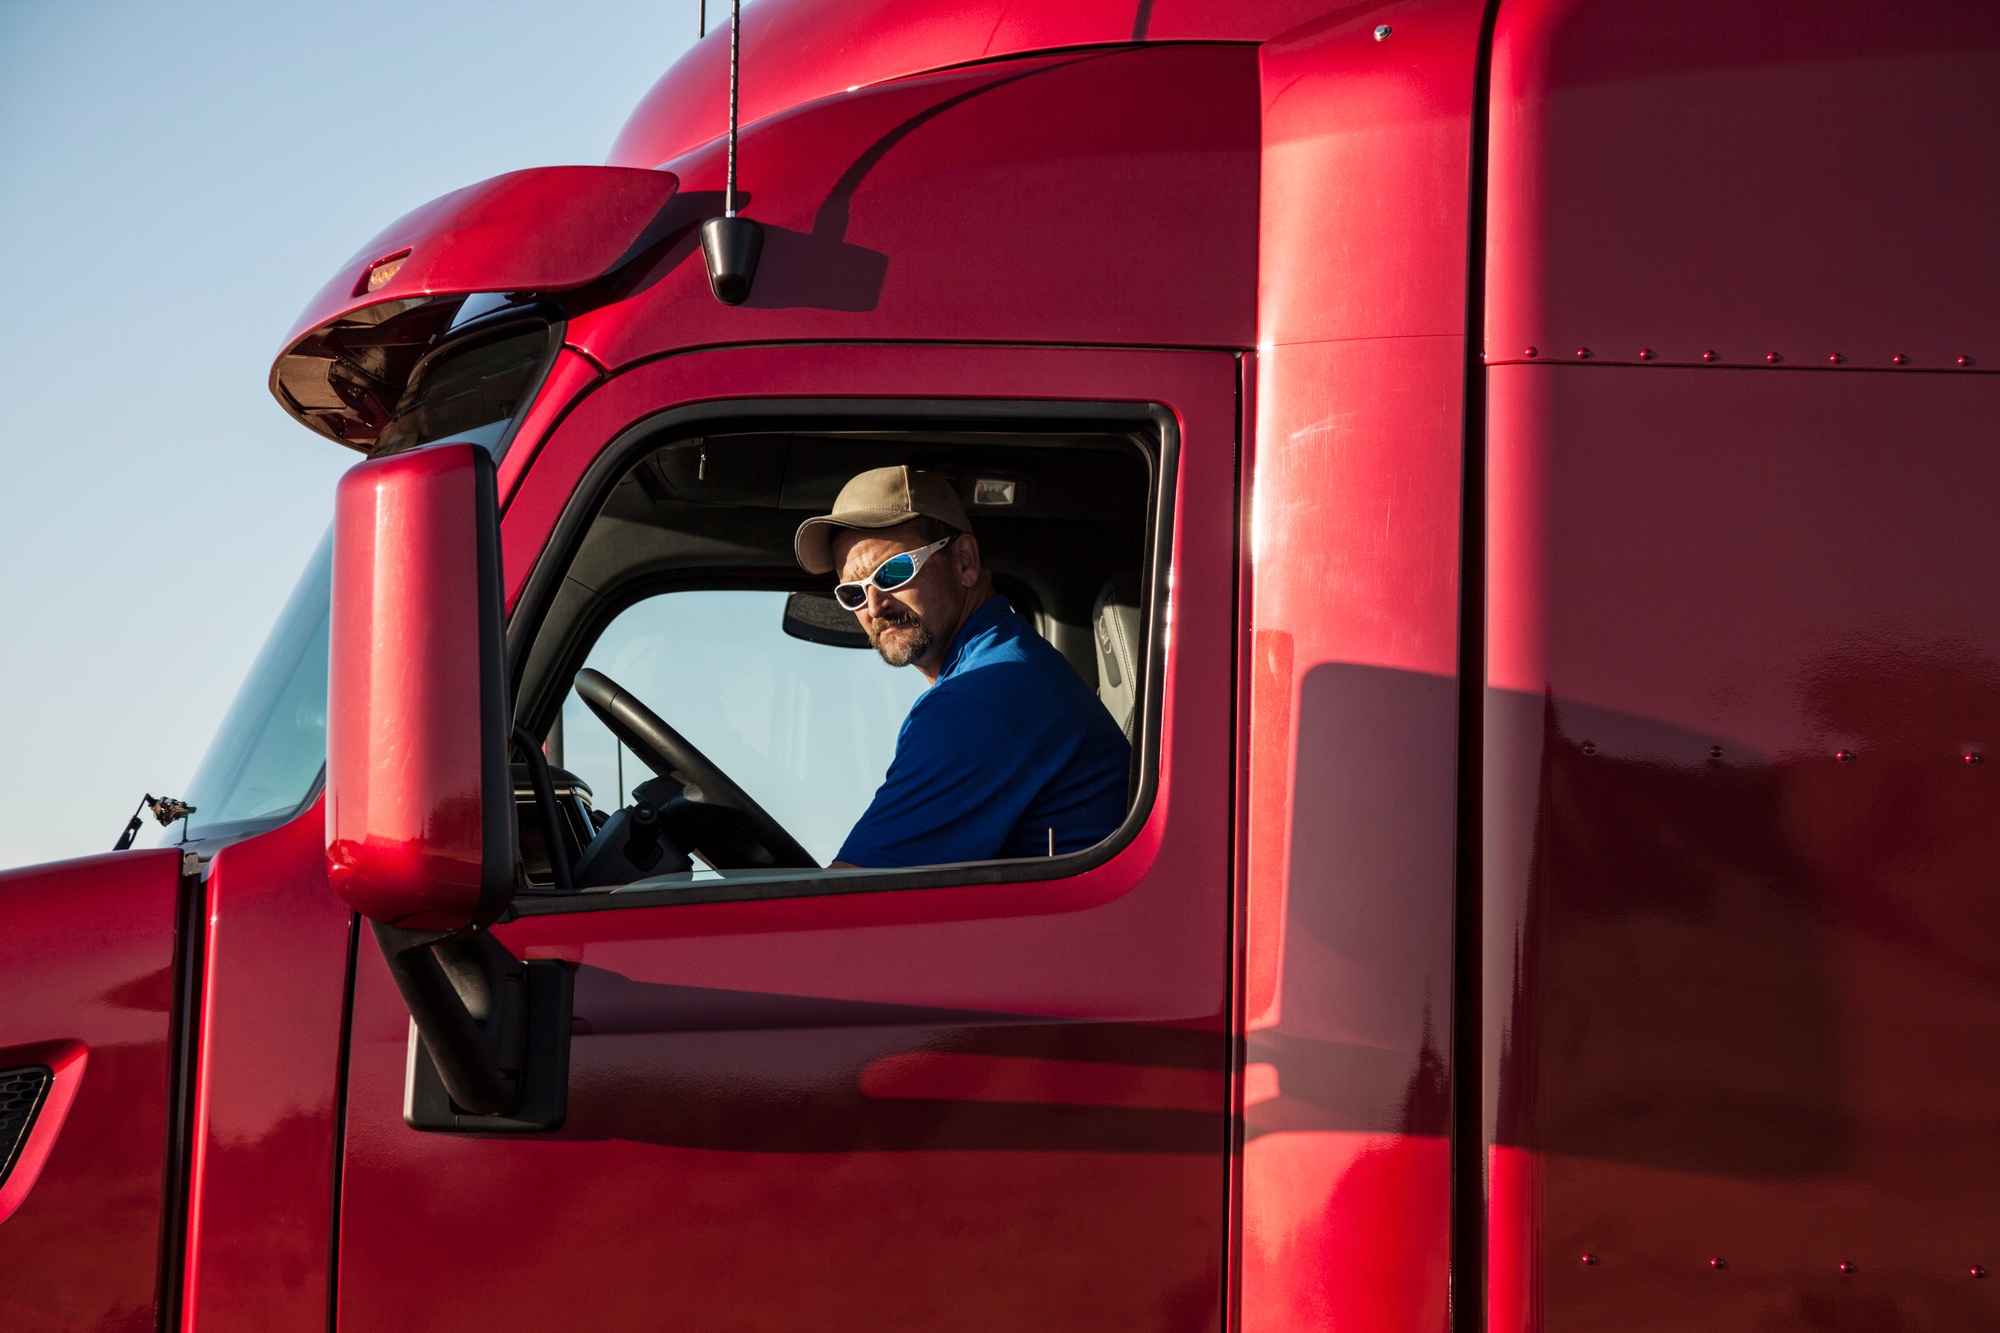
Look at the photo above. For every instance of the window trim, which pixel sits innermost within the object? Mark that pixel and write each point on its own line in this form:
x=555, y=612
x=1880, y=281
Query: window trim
x=1138, y=420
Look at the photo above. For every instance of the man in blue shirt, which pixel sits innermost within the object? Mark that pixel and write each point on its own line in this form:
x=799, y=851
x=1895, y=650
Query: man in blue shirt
x=1008, y=754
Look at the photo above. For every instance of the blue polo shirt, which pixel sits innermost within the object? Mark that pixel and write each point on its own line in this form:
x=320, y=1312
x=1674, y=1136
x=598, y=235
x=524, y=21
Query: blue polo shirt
x=1007, y=744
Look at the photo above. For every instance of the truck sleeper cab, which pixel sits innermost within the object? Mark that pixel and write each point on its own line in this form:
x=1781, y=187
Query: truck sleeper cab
x=1520, y=469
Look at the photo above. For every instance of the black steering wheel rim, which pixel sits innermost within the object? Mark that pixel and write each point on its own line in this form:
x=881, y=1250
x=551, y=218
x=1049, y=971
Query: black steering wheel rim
x=671, y=755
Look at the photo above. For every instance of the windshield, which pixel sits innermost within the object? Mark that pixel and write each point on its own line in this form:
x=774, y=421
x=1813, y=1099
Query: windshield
x=265, y=761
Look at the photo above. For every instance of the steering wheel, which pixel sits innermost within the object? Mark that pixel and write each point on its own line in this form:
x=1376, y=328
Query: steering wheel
x=715, y=815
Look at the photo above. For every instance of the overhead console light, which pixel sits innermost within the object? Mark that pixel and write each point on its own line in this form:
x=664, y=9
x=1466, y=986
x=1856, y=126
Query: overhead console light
x=536, y=232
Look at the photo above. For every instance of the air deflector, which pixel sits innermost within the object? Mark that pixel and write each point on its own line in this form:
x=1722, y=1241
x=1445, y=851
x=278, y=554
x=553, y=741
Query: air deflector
x=548, y=229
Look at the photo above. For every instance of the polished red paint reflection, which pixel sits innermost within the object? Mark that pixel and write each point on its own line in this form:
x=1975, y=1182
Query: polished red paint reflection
x=1735, y=978
x=803, y=50
x=544, y=229
x=260, y=1208
x=87, y=988
x=1352, y=736
x=945, y=1076
x=65, y=1061
x=1717, y=181
x=1107, y=201
x=405, y=831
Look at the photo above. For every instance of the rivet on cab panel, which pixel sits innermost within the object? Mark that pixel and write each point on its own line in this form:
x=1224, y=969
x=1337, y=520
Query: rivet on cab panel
x=1583, y=354
x=1645, y=354
x=1974, y=757
x=1709, y=355
x=1844, y=756
x=1590, y=1261
x=1773, y=358
x=1899, y=360
x=1718, y=1263
x=1846, y=1267
x=1965, y=360
x=1382, y=32
x=1590, y=747
x=1834, y=358
x=1531, y=352
x=1979, y=1270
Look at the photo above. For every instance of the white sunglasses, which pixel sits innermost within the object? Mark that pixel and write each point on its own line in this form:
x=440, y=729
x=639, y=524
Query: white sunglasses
x=890, y=575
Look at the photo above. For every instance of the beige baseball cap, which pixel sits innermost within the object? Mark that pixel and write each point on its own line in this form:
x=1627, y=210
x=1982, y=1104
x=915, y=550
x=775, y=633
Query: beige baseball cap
x=878, y=498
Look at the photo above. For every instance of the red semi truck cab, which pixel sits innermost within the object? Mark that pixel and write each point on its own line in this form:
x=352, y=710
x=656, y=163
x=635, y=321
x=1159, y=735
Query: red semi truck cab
x=1522, y=476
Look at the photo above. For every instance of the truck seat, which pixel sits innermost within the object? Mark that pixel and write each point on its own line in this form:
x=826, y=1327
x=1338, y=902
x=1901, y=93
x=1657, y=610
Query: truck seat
x=1115, y=620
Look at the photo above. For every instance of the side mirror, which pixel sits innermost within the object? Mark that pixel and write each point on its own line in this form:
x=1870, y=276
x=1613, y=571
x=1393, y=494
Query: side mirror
x=817, y=618
x=419, y=795
x=420, y=834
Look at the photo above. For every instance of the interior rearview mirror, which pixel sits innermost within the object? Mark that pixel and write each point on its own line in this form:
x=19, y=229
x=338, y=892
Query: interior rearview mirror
x=817, y=618
x=420, y=834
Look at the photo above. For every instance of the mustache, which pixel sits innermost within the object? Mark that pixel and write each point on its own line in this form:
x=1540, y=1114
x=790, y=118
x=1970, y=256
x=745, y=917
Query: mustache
x=896, y=618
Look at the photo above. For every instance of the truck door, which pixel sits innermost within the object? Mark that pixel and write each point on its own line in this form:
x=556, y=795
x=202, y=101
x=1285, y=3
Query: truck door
x=974, y=1096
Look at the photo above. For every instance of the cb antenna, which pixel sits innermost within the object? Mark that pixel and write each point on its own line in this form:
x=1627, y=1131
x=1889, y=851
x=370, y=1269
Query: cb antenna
x=731, y=244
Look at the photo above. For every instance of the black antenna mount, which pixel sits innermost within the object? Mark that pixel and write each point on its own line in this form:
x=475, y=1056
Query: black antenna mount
x=730, y=244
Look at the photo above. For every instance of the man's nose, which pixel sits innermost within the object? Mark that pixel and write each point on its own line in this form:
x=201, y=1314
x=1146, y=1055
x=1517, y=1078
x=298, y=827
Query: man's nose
x=877, y=599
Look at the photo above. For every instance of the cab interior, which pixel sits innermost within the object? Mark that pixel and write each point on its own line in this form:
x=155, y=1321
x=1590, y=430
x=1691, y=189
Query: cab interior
x=1065, y=521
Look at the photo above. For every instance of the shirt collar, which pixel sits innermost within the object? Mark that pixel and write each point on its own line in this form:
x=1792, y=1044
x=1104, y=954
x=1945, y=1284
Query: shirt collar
x=986, y=617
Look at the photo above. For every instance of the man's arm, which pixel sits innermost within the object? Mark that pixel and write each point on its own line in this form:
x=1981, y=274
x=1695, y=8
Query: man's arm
x=956, y=788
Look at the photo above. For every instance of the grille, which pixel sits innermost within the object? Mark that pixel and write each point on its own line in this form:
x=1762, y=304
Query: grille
x=21, y=1092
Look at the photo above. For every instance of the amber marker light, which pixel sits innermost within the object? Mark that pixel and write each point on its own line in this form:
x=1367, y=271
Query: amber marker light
x=382, y=270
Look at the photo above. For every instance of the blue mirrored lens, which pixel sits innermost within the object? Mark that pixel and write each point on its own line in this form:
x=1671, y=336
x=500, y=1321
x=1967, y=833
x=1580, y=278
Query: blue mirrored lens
x=895, y=572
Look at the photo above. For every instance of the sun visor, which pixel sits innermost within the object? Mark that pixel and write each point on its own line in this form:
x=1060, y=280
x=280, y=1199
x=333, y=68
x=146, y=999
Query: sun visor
x=548, y=229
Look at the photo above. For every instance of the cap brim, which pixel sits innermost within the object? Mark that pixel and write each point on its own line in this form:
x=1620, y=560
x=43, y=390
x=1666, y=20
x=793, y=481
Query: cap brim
x=814, y=543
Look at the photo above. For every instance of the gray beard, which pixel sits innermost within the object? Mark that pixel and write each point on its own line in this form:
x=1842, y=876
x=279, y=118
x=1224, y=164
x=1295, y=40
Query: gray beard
x=905, y=650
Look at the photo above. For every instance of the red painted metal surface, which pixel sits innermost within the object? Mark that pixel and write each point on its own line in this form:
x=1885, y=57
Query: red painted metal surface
x=260, y=1209
x=1791, y=178
x=973, y=1107
x=544, y=229
x=570, y=377
x=1736, y=978
x=87, y=974
x=1744, y=681
x=1110, y=196
x=1741, y=646
x=65, y=1062
x=802, y=50
x=407, y=836
x=1352, y=736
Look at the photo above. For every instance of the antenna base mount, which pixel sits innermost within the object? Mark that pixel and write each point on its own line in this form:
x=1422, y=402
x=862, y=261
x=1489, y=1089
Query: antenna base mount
x=731, y=245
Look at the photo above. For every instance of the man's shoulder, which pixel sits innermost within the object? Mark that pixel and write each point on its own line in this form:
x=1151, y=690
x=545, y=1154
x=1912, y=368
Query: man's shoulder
x=1022, y=677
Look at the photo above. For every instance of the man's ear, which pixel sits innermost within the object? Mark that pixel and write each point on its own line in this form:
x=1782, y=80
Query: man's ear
x=965, y=552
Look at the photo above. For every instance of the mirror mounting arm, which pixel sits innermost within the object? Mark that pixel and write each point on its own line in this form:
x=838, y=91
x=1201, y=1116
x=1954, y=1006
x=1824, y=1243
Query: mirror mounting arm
x=490, y=1048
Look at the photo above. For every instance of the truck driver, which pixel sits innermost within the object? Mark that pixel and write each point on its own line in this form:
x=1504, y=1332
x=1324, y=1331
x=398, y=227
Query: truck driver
x=1008, y=753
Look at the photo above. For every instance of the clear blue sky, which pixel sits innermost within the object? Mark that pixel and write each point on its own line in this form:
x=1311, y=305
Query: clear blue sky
x=175, y=181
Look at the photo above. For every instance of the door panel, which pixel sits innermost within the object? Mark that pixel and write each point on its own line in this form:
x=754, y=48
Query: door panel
x=263, y=1142
x=981, y=1106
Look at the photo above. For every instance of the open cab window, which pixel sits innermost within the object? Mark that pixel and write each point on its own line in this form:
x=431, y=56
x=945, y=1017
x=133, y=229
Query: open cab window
x=758, y=722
